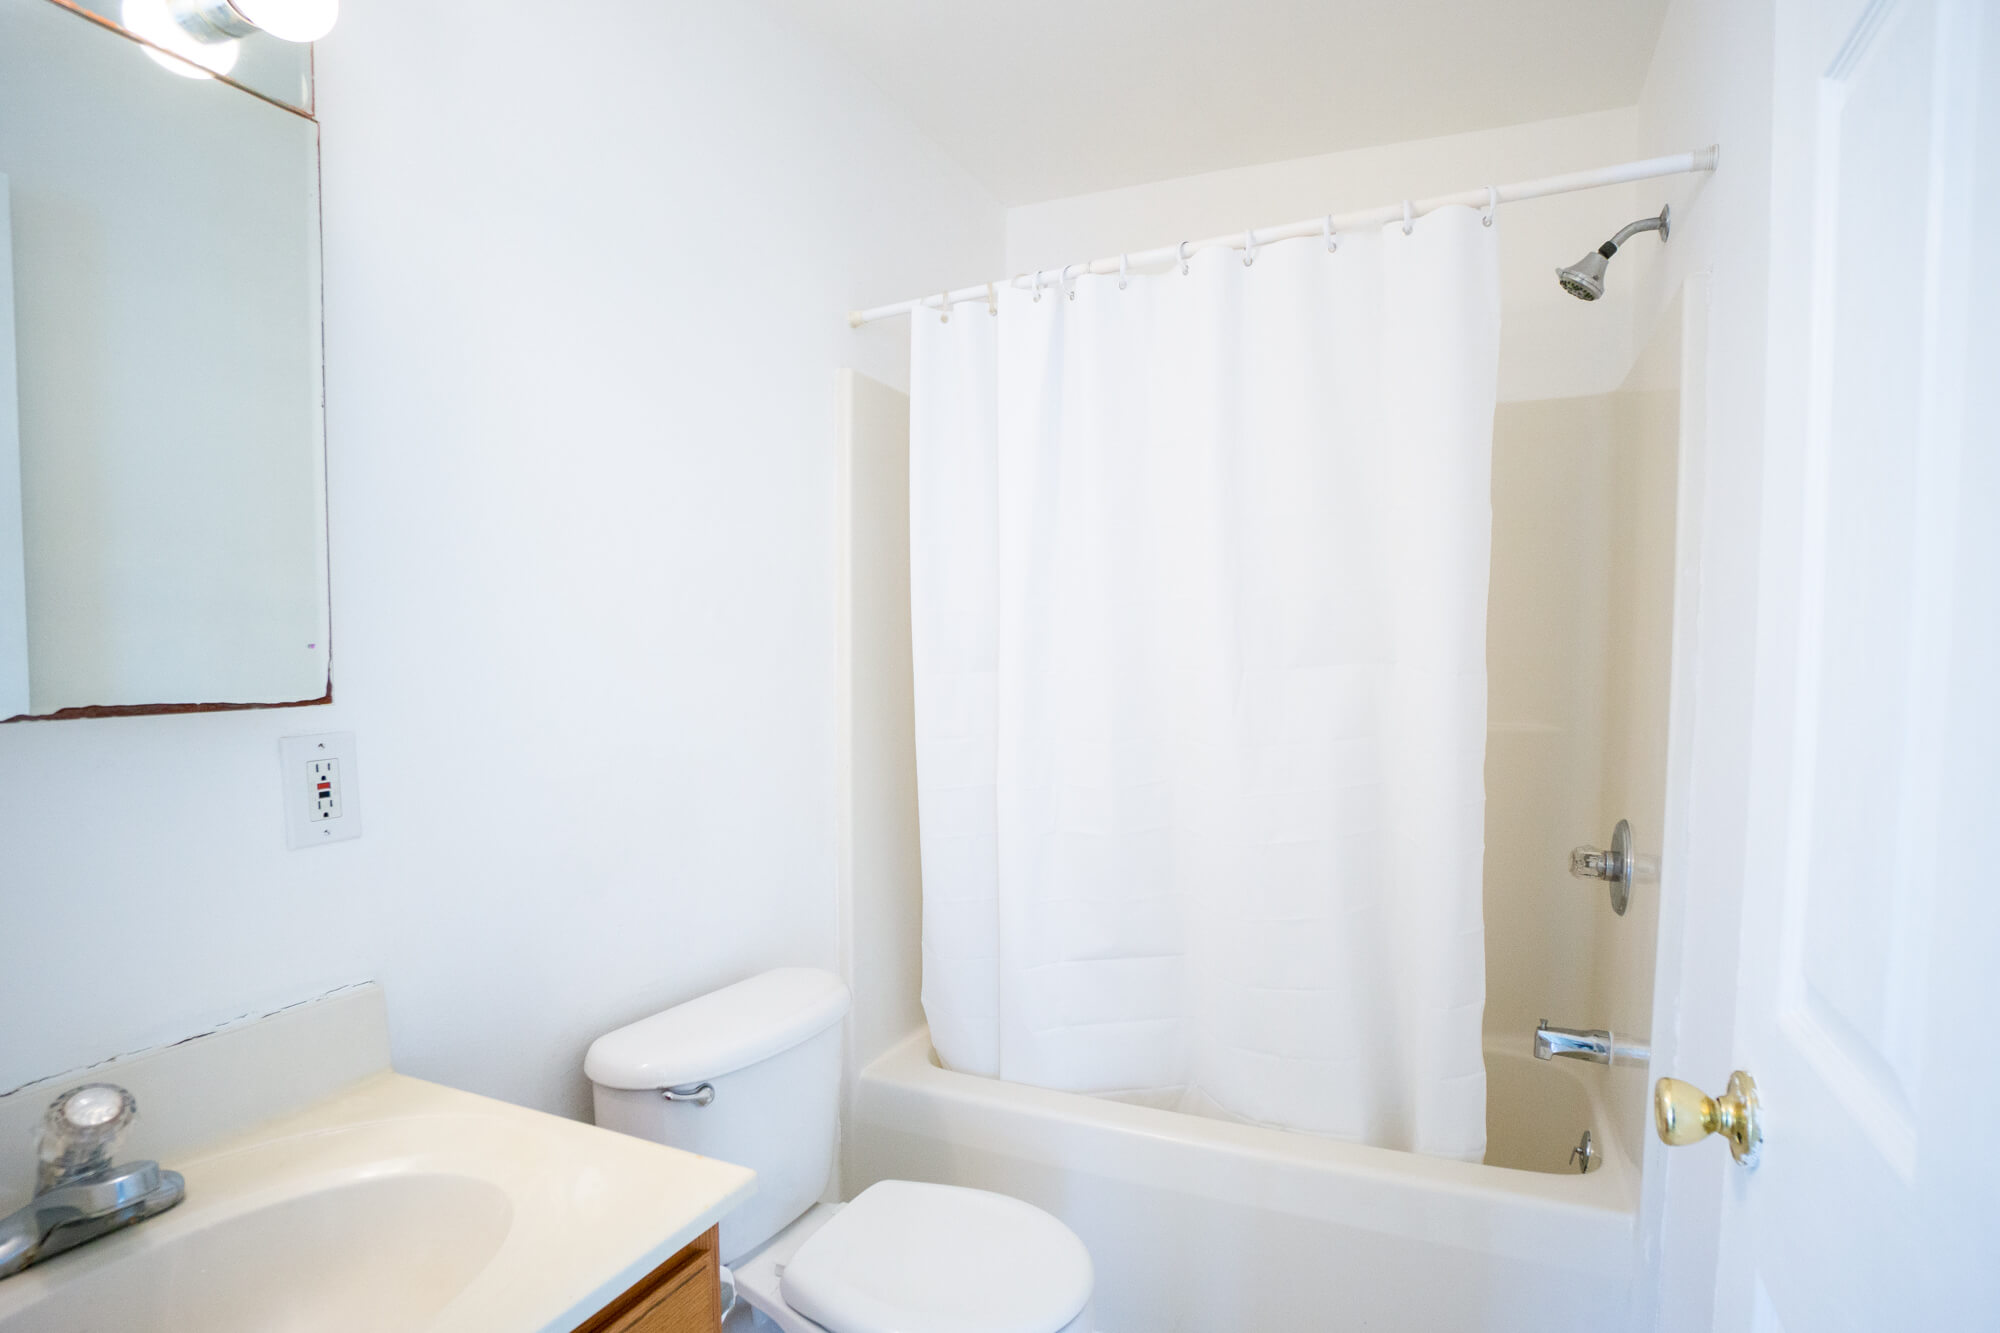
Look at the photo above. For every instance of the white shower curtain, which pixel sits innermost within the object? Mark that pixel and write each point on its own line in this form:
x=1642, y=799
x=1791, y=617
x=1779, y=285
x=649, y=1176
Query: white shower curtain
x=1198, y=589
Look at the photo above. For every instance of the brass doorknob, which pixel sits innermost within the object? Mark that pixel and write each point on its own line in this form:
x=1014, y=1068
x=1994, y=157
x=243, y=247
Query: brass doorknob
x=1683, y=1113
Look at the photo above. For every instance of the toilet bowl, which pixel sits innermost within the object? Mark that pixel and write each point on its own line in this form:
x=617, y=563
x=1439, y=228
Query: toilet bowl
x=750, y=1074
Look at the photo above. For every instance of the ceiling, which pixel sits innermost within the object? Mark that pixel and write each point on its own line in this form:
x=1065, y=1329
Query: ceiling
x=1040, y=99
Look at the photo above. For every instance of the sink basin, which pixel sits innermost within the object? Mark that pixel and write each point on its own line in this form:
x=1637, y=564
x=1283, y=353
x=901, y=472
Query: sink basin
x=384, y=1254
x=395, y=1207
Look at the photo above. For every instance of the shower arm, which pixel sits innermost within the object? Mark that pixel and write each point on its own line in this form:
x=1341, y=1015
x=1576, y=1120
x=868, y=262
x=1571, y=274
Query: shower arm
x=1627, y=232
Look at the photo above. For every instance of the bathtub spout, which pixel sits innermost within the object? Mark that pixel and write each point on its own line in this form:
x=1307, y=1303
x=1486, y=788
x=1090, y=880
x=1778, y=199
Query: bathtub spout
x=1593, y=1044
x=1576, y=1043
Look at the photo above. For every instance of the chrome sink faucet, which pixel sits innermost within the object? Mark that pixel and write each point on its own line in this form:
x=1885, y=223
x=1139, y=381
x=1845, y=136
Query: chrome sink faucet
x=80, y=1194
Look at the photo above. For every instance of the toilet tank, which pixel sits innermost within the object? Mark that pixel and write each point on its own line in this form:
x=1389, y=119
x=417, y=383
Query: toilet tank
x=769, y=1048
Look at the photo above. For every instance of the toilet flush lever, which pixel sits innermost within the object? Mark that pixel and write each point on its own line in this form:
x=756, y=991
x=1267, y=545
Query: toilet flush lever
x=701, y=1094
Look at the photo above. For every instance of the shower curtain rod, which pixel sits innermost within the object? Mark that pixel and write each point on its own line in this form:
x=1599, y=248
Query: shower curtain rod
x=1678, y=164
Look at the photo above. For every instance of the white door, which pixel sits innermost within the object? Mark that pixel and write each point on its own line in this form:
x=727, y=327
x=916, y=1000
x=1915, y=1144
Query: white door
x=1869, y=966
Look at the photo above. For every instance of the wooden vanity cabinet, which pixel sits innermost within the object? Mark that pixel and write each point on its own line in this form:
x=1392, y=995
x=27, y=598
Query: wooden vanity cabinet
x=682, y=1295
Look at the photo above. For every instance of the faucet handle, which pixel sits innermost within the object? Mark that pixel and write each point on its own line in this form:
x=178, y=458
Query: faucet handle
x=80, y=1130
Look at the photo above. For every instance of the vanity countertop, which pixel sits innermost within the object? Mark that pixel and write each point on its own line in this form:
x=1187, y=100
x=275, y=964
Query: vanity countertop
x=395, y=1205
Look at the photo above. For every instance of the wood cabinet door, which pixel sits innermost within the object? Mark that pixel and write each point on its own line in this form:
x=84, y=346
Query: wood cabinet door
x=682, y=1295
x=685, y=1304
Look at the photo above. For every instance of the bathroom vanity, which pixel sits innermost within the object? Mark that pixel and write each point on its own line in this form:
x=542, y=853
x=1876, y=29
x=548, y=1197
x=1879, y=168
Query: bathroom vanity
x=682, y=1295
x=323, y=1186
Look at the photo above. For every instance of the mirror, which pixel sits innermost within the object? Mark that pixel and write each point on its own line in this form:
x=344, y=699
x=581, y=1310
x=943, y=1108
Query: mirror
x=162, y=452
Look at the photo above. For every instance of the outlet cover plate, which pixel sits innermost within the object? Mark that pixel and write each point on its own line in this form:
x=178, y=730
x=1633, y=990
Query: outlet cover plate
x=320, y=782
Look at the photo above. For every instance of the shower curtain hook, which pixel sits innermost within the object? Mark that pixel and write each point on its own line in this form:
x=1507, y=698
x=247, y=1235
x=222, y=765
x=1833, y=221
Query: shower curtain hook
x=1249, y=248
x=1121, y=272
x=1180, y=252
x=1326, y=230
x=944, y=307
x=1038, y=284
x=1492, y=202
x=992, y=300
x=1406, y=217
x=1069, y=288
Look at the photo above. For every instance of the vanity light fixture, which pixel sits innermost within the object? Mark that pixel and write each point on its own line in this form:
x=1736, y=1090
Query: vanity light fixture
x=174, y=46
x=220, y=24
x=199, y=38
x=289, y=20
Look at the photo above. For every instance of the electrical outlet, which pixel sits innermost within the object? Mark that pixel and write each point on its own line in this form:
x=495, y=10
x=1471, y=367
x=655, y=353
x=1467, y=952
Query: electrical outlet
x=318, y=776
x=326, y=789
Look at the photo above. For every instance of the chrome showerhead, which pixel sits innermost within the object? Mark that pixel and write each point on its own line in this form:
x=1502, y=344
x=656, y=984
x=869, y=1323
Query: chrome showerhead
x=1585, y=278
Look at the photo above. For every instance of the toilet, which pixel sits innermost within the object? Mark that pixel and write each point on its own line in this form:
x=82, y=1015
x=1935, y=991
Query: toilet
x=751, y=1074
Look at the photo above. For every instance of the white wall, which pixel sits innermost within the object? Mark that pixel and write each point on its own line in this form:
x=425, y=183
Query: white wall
x=585, y=287
x=1552, y=347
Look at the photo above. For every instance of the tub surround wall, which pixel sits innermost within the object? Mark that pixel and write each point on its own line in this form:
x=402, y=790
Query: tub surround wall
x=580, y=350
x=880, y=871
x=1546, y=705
x=1579, y=645
x=1639, y=632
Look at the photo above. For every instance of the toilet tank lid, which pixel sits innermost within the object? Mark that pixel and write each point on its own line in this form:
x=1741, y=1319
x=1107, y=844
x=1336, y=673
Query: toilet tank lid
x=720, y=1032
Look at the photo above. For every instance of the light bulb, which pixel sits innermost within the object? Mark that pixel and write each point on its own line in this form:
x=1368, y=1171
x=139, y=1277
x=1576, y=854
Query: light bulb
x=192, y=59
x=292, y=20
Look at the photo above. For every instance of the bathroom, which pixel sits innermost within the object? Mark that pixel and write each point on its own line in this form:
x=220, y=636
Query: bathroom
x=602, y=553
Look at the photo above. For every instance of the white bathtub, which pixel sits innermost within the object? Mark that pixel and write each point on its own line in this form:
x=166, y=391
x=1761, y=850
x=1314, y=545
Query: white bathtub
x=1205, y=1226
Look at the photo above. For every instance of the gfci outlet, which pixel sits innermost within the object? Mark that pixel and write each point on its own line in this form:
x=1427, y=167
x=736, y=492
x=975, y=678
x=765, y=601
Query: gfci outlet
x=322, y=804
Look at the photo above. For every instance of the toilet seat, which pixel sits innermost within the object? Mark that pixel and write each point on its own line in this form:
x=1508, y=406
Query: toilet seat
x=940, y=1258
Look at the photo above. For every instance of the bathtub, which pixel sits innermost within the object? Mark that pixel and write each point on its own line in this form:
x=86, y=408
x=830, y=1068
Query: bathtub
x=1206, y=1226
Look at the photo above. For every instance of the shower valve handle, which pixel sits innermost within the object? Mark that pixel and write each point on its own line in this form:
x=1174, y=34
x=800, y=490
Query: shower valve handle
x=1614, y=865
x=1589, y=863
